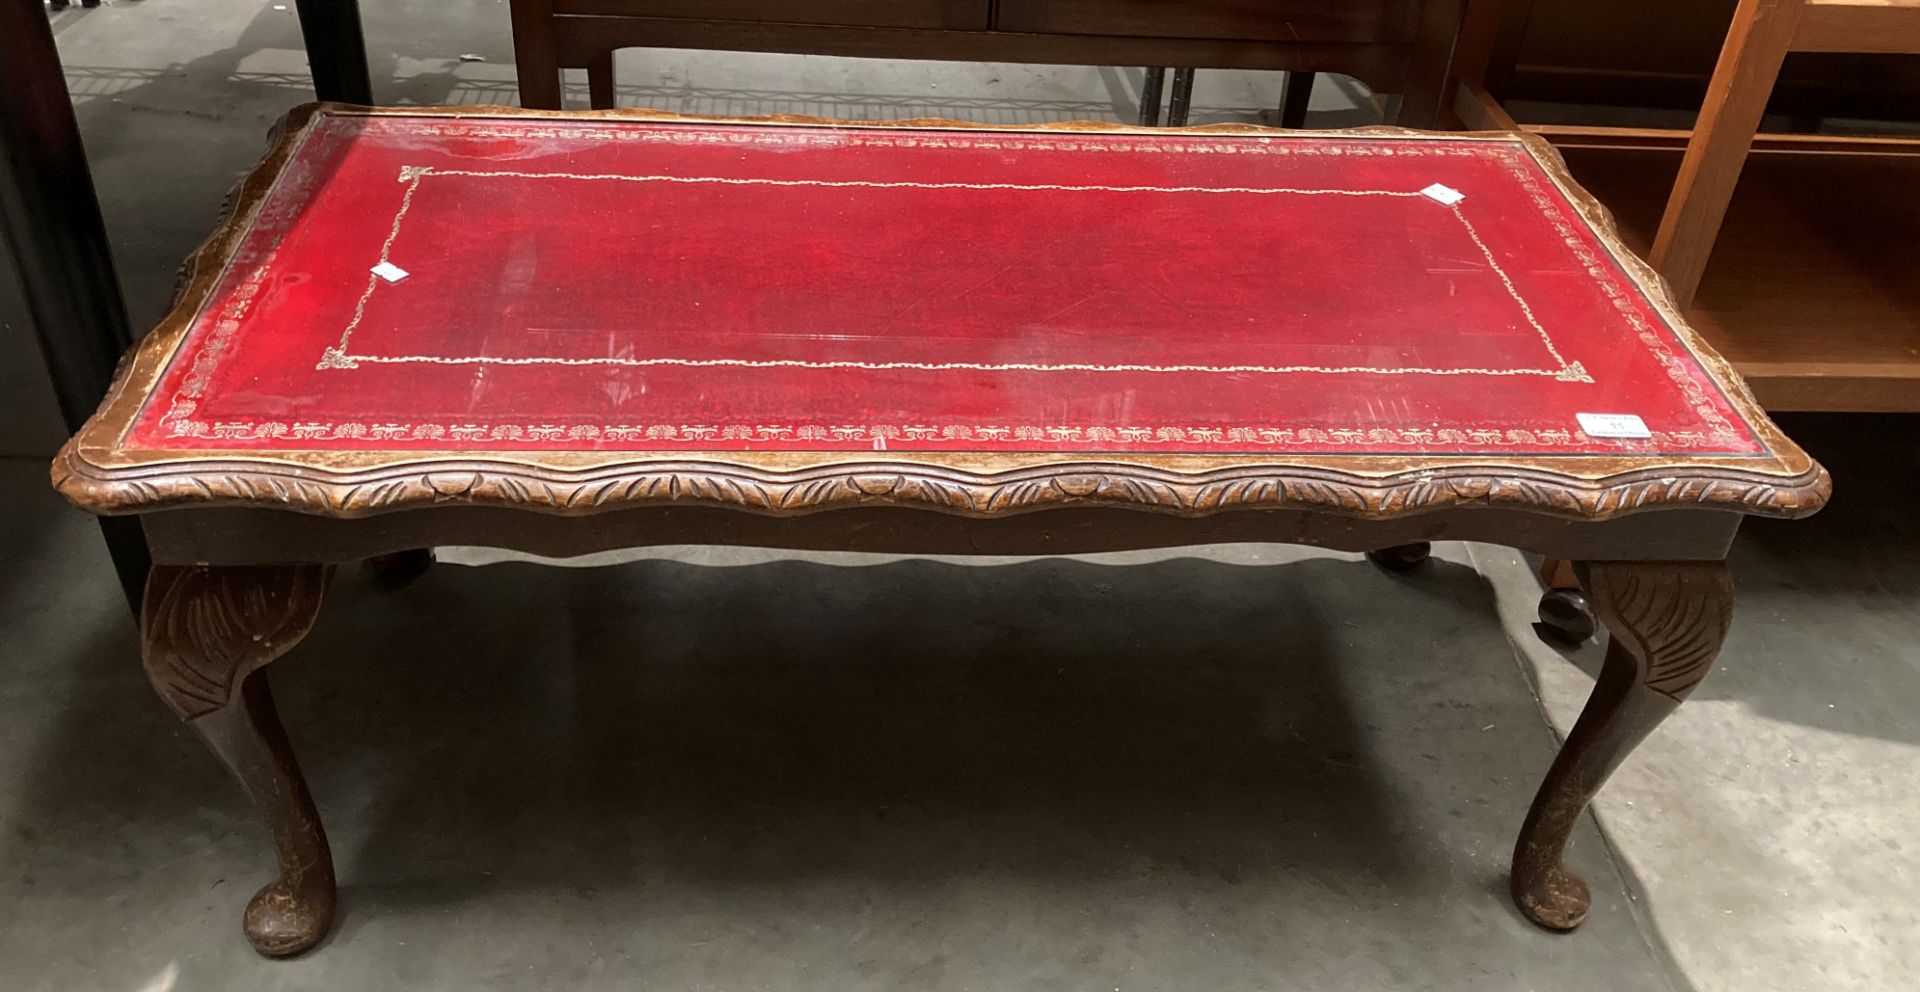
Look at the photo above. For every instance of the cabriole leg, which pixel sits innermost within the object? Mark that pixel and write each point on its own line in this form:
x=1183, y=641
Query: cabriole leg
x=1665, y=623
x=205, y=632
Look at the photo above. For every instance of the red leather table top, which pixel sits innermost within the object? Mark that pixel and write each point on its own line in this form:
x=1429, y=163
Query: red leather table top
x=648, y=286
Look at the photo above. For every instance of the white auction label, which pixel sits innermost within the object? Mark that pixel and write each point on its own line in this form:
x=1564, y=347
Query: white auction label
x=1613, y=425
x=1444, y=194
x=390, y=272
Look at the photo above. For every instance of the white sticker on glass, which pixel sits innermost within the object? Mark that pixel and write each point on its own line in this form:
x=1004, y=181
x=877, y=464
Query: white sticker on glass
x=1613, y=425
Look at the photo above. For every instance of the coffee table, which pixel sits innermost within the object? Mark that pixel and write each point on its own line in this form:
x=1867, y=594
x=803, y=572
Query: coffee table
x=566, y=333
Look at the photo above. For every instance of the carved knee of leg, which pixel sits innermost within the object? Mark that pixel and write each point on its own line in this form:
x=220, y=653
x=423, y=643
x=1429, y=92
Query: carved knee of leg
x=205, y=632
x=203, y=629
x=1666, y=621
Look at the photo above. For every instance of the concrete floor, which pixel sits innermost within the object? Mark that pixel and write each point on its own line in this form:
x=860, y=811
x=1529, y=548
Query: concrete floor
x=1217, y=769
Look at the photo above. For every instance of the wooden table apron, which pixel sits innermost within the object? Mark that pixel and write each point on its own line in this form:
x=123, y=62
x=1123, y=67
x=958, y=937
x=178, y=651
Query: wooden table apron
x=257, y=467
x=258, y=537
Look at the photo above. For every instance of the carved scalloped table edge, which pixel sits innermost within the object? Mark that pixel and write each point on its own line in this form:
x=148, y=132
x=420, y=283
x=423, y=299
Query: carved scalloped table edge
x=95, y=473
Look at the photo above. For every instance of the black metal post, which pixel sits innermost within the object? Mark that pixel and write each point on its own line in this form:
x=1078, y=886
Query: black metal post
x=336, y=50
x=51, y=222
x=1150, y=89
x=1182, y=99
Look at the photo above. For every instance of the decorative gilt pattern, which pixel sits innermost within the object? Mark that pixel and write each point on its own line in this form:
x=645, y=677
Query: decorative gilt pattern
x=97, y=472
x=836, y=486
x=408, y=173
x=1164, y=141
x=340, y=357
x=334, y=358
x=202, y=630
x=1671, y=617
x=1678, y=369
x=1359, y=439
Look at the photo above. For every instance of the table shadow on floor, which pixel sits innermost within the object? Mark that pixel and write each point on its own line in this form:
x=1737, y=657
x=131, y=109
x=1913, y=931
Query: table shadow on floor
x=1184, y=768
x=639, y=735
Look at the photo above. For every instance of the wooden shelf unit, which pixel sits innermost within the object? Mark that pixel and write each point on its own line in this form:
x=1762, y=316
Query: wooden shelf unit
x=1813, y=290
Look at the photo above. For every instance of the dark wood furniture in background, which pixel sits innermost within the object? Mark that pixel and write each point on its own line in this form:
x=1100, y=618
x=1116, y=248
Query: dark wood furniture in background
x=1811, y=292
x=1295, y=95
x=1657, y=53
x=1396, y=46
x=251, y=495
x=51, y=224
x=1813, y=304
x=336, y=50
x=50, y=219
x=1818, y=305
x=1763, y=32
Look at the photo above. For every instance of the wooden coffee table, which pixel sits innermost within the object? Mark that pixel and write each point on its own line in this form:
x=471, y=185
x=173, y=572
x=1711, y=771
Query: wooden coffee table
x=565, y=333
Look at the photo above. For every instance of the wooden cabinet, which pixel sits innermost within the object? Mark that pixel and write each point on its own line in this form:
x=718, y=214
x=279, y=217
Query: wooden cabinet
x=1658, y=53
x=1304, y=21
x=1388, y=21
x=1394, y=46
x=966, y=15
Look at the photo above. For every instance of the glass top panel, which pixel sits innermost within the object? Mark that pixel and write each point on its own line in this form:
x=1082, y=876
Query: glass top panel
x=499, y=284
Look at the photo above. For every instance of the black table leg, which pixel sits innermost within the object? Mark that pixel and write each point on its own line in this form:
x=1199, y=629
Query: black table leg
x=51, y=222
x=336, y=50
x=1295, y=98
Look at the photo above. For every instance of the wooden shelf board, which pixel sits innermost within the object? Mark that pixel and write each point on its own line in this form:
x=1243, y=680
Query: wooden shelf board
x=1889, y=26
x=1570, y=136
x=1813, y=290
